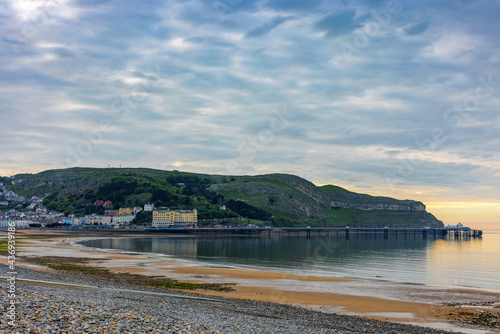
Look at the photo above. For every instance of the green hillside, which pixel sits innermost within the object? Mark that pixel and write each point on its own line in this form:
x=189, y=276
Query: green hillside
x=279, y=199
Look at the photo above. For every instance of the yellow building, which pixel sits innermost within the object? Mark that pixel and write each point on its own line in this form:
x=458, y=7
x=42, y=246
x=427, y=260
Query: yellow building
x=180, y=218
x=125, y=211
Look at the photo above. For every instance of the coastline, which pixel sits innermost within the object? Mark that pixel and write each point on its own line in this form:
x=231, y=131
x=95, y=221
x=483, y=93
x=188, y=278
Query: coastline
x=108, y=307
x=398, y=303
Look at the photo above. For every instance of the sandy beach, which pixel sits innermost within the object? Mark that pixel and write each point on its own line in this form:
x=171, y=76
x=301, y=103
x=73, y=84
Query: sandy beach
x=430, y=306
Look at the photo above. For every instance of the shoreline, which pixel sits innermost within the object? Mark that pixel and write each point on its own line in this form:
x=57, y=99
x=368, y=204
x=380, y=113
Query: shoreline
x=397, y=303
x=109, y=307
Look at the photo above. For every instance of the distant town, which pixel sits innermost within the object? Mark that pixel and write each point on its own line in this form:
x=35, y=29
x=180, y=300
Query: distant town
x=30, y=212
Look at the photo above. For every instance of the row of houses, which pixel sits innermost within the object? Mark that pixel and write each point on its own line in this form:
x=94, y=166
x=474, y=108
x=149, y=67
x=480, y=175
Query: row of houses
x=122, y=212
x=99, y=220
x=119, y=217
x=147, y=207
x=161, y=218
x=123, y=216
x=40, y=216
x=18, y=223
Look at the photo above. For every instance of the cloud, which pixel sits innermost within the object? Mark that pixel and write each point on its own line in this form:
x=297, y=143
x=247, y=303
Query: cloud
x=293, y=4
x=265, y=28
x=453, y=46
x=416, y=29
x=60, y=52
x=189, y=82
x=338, y=23
x=92, y=3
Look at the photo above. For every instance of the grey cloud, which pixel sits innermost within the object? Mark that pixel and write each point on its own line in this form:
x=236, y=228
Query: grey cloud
x=11, y=41
x=139, y=74
x=60, y=52
x=215, y=88
x=294, y=132
x=416, y=29
x=273, y=151
x=92, y=3
x=266, y=28
x=426, y=173
x=31, y=77
x=293, y=4
x=211, y=42
x=338, y=23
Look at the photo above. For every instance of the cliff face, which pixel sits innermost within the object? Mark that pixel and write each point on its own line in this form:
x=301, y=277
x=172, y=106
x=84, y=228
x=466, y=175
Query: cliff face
x=366, y=202
x=289, y=197
x=334, y=197
x=290, y=200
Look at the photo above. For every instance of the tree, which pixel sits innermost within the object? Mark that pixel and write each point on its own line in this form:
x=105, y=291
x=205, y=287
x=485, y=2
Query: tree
x=247, y=210
x=143, y=218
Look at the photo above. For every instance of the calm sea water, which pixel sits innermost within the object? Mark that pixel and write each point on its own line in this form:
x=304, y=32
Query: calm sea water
x=468, y=263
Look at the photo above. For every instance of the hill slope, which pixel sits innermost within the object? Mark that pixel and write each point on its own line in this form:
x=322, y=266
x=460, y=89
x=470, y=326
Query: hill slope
x=285, y=200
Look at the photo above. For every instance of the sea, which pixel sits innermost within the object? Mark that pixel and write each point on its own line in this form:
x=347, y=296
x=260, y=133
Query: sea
x=471, y=262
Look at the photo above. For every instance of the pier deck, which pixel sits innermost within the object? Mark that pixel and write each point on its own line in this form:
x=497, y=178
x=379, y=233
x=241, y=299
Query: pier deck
x=330, y=231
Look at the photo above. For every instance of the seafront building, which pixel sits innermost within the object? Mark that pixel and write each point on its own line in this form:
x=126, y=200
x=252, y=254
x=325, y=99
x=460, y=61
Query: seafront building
x=123, y=219
x=118, y=217
x=175, y=218
x=18, y=223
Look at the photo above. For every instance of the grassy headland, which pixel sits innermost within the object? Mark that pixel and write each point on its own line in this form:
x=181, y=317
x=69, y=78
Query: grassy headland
x=273, y=199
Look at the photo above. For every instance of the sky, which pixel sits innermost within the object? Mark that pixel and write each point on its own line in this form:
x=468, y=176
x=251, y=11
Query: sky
x=396, y=98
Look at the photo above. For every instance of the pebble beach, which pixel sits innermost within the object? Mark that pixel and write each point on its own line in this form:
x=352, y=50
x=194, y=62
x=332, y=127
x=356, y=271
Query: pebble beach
x=109, y=307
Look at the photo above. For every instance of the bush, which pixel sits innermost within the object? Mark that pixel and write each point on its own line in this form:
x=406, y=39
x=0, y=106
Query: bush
x=143, y=218
x=247, y=210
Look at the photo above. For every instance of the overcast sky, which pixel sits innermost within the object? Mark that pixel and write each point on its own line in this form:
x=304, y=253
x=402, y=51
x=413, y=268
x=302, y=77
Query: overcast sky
x=397, y=98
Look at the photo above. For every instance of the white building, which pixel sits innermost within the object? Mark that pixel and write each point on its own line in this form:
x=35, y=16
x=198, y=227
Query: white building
x=94, y=220
x=123, y=219
x=23, y=223
x=4, y=223
x=149, y=207
x=77, y=221
x=107, y=220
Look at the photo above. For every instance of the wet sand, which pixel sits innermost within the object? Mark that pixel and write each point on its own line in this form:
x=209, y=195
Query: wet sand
x=383, y=301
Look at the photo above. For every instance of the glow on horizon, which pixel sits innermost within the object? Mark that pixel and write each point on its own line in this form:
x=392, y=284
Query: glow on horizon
x=478, y=215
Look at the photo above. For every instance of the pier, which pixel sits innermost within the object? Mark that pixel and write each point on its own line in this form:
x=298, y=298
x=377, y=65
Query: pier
x=456, y=233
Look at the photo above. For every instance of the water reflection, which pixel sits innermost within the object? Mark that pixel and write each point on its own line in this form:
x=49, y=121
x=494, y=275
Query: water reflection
x=399, y=258
x=187, y=247
x=469, y=262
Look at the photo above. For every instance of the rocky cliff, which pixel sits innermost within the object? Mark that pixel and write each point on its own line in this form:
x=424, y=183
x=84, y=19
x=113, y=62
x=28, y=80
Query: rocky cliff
x=291, y=198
